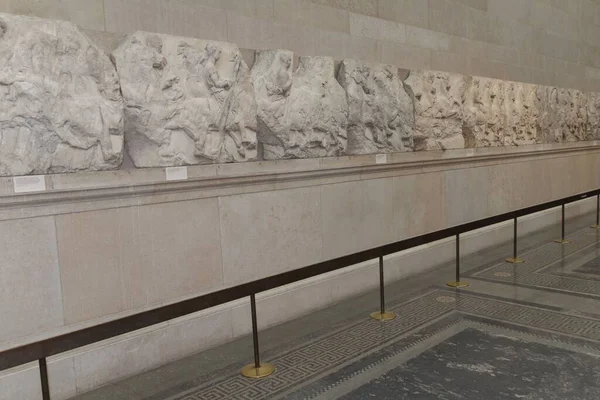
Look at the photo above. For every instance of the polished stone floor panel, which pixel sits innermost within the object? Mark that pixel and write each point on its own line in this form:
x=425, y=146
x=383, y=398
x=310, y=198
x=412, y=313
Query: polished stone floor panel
x=474, y=364
x=520, y=331
x=552, y=267
x=591, y=267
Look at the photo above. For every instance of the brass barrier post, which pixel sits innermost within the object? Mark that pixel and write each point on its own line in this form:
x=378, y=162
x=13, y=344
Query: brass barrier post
x=562, y=239
x=457, y=283
x=514, y=259
x=256, y=369
x=382, y=315
x=597, y=226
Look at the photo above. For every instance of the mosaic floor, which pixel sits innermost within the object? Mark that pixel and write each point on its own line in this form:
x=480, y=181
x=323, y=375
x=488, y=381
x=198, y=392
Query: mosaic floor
x=523, y=331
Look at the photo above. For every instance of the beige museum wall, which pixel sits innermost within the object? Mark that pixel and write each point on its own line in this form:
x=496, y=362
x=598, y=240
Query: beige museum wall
x=548, y=42
x=102, y=245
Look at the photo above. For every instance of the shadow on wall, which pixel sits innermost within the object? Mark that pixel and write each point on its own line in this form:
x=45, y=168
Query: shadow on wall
x=173, y=101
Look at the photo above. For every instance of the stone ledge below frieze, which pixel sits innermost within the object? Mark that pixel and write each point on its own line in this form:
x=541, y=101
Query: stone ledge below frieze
x=68, y=193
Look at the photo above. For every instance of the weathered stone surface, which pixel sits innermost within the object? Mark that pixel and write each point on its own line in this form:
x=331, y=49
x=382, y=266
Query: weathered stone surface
x=563, y=114
x=438, y=109
x=484, y=108
x=381, y=113
x=522, y=114
x=187, y=101
x=500, y=113
x=60, y=105
x=302, y=114
x=593, y=116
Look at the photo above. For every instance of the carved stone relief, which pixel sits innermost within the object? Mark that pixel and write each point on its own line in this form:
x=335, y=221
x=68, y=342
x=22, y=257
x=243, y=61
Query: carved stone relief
x=381, y=113
x=60, y=105
x=563, y=114
x=522, y=114
x=485, y=106
x=593, y=116
x=301, y=114
x=187, y=101
x=438, y=109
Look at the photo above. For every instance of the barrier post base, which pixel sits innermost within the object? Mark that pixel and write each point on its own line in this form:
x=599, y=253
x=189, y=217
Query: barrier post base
x=250, y=371
x=515, y=260
x=457, y=284
x=595, y=226
x=562, y=241
x=383, y=316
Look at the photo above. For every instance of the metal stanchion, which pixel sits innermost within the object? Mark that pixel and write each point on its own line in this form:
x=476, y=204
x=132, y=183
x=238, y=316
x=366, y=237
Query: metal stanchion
x=597, y=226
x=256, y=369
x=514, y=259
x=382, y=315
x=562, y=239
x=457, y=283
x=44, y=379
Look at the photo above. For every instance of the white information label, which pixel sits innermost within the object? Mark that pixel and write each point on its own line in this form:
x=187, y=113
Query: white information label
x=31, y=183
x=176, y=173
x=381, y=159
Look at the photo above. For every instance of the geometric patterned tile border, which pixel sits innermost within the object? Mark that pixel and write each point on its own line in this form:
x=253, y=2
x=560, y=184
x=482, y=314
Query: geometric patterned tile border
x=300, y=367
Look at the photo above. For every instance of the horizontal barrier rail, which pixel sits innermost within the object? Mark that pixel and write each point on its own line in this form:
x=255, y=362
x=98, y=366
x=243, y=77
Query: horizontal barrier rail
x=39, y=351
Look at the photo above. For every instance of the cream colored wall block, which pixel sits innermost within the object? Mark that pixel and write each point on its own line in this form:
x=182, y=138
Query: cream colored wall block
x=267, y=233
x=174, y=251
x=152, y=348
x=90, y=262
x=357, y=216
x=466, y=195
x=172, y=17
x=30, y=295
x=88, y=14
x=419, y=204
x=113, y=260
x=22, y=383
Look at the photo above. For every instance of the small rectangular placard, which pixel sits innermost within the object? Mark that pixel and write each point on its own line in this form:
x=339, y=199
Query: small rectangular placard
x=381, y=159
x=30, y=183
x=176, y=173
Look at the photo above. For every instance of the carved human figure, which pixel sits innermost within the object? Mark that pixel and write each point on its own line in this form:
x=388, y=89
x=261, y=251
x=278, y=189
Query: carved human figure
x=302, y=114
x=381, y=113
x=438, y=109
x=281, y=81
x=484, y=112
x=61, y=107
x=206, y=111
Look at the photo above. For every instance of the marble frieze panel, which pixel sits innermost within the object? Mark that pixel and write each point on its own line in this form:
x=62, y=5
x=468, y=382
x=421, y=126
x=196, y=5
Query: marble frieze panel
x=61, y=109
x=500, y=113
x=563, y=114
x=302, y=113
x=438, y=109
x=381, y=112
x=484, y=112
x=593, y=116
x=187, y=101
